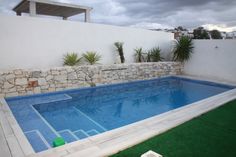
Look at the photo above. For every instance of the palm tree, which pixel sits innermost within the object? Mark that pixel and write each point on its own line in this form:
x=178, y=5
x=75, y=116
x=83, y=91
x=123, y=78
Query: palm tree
x=139, y=55
x=91, y=57
x=183, y=49
x=119, y=46
x=71, y=59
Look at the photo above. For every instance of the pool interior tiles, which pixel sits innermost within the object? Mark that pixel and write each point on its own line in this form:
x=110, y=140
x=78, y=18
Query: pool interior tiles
x=78, y=114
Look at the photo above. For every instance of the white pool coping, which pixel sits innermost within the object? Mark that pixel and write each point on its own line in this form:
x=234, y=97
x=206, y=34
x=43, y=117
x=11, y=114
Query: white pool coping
x=112, y=141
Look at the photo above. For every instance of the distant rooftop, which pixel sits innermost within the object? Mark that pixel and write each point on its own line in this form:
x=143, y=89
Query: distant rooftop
x=51, y=8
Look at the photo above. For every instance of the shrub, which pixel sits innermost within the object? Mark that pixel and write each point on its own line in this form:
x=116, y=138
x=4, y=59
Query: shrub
x=91, y=57
x=154, y=54
x=71, y=59
x=183, y=49
x=139, y=55
x=119, y=46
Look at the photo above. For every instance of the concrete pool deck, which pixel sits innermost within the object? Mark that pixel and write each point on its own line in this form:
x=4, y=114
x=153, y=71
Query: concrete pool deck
x=13, y=142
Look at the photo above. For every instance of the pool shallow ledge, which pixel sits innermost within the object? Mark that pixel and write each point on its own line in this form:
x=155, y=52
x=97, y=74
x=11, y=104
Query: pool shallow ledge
x=112, y=141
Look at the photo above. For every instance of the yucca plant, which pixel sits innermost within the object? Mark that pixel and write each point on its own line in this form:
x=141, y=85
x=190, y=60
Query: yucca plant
x=71, y=59
x=119, y=46
x=155, y=54
x=148, y=57
x=183, y=49
x=91, y=57
x=139, y=55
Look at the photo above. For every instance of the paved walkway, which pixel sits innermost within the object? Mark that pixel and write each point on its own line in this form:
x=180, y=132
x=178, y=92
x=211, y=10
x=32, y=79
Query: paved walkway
x=12, y=140
x=4, y=149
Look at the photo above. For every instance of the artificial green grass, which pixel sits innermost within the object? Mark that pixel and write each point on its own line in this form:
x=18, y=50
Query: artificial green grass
x=210, y=135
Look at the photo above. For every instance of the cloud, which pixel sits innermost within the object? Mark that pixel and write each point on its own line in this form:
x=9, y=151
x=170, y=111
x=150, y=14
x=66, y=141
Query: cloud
x=6, y=6
x=221, y=27
x=147, y=25
x=155, y=13
x=187, y=13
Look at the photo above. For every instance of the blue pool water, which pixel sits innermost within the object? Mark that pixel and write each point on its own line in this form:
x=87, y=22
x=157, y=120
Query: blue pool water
x=77, y=114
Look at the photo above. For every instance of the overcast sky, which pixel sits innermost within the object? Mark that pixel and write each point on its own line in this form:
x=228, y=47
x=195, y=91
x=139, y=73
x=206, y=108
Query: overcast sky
x=218, y=14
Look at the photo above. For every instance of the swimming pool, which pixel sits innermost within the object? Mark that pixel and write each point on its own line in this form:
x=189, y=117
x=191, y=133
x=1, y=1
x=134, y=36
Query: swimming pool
x=77, y=114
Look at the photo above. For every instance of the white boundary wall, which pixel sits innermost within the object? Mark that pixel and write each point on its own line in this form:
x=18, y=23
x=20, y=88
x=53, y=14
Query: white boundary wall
x=28, y=42
x=214, y=59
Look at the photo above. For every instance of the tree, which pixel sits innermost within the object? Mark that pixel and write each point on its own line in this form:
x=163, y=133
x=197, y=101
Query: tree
x=215, y=34
x=200, y=33
x=180, y=28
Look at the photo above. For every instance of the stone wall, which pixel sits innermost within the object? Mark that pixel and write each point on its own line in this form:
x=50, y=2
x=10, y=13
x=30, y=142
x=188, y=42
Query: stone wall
x=24, y=82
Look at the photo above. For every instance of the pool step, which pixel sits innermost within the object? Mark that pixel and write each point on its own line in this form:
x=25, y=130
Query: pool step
x=37, y=140
x=92, y=132
x=81, y=134
x=70, y=136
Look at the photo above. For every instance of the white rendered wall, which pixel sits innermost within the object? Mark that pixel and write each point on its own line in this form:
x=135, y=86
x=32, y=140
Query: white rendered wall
x=27, y=42
x=215, y=59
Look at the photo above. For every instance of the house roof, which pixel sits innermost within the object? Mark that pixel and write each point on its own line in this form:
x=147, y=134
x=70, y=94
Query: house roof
x=51, y=8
